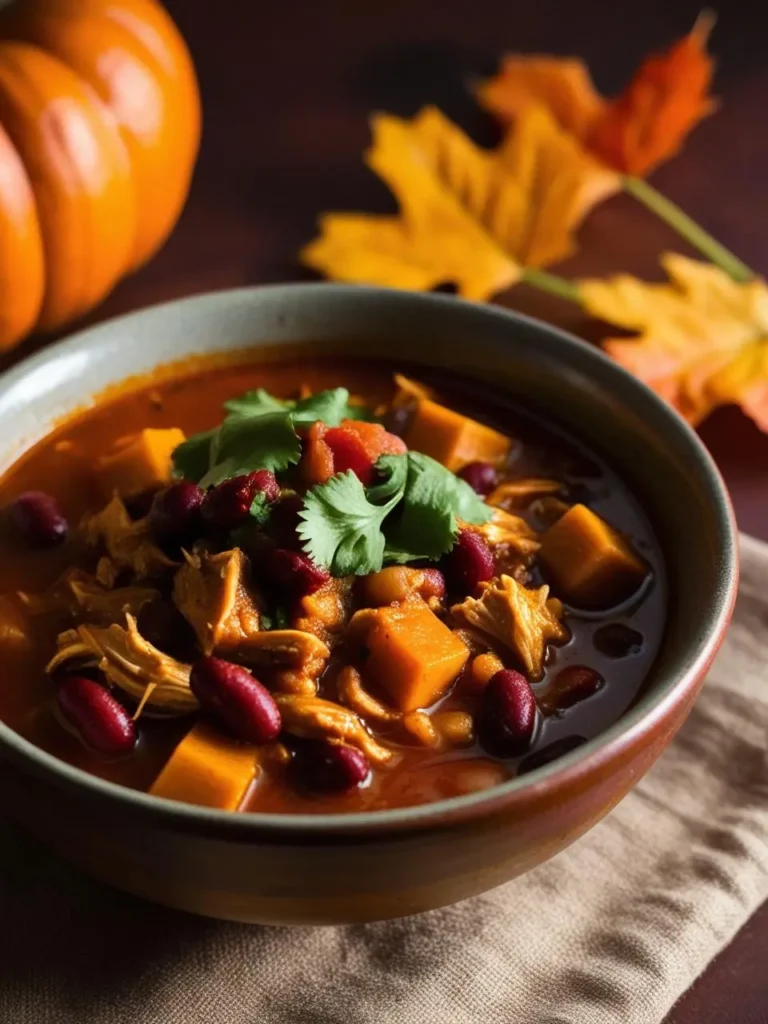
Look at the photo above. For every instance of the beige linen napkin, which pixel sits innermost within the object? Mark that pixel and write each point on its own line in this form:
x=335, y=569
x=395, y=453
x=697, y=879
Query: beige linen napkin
x=612, y=930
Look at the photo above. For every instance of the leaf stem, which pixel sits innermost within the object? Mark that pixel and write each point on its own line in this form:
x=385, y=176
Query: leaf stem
x=552, y=284
x=692, y=232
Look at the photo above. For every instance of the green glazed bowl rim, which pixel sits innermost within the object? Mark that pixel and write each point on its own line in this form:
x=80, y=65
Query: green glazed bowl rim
x=637, y=721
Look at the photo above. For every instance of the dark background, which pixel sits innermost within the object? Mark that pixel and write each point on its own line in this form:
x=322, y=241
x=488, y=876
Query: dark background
x=287, y=88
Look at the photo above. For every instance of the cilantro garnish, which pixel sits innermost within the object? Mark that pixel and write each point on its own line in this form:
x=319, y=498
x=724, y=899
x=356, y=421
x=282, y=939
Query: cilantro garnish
x=329, y=406
x=433, y=499
x=341, y=528
x=244, y=443
x=192, y=458
x=410, y=514
x=258, y=432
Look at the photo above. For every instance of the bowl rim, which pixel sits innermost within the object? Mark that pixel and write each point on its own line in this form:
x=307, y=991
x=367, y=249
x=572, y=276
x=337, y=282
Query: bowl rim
x=569, y=769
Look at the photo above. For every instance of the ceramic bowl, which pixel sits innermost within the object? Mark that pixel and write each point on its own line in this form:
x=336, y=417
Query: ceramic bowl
x=339, y=868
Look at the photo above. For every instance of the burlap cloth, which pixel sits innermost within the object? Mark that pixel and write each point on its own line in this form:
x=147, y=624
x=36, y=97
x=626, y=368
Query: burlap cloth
x=612, y=930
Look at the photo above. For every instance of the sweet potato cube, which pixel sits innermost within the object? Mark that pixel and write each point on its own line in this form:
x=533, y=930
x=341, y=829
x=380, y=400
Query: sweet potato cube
x=591, y=564
x=412, y=654
x=209, y=769
x=139, y=462
x=453, y=439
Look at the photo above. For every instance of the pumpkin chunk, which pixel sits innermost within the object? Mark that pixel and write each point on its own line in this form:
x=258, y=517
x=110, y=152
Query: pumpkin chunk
x=140, y=462
x=453, y=439
x=412, y=654
x=209, y=769
x=590, y=562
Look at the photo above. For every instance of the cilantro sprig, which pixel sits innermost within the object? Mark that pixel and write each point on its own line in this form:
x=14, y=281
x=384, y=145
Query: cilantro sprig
x=411, y=513
x=258, y=432
x=341, y=527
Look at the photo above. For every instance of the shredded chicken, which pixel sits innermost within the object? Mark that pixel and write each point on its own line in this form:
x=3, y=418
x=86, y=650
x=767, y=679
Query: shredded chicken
x=128, y=543
x=130, y=663
x=417, y=724
x=214, y=595
x=326, y=612
x=349, y=685
x=291, y=681
x=78, y=591
x=504, y=528
x=314, y=718
x=103, y=605
x=521, y=619
x=286, y=648
x=106, y=572
x=518, y=492
x=420, y=726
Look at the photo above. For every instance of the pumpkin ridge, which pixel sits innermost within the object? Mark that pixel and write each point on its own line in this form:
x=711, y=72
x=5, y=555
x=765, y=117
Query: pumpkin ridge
x=80, y=175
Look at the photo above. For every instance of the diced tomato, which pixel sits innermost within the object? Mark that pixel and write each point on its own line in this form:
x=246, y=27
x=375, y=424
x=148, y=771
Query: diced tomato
x=353, y=445
x=357, y=446
x=317, y=457
x=349, y=453
x=375, y=439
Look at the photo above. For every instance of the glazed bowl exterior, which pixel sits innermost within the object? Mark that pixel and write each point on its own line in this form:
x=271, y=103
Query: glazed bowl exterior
x=342, y=868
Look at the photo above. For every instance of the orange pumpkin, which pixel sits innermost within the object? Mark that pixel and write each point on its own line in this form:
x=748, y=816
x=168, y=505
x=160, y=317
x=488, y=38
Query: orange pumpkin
x=99, y=132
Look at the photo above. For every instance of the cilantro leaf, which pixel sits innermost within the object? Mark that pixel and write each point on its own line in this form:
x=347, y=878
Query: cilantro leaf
x=410, y=514
x=394, y=470
x=260, y=510
x=329, y=406
x=259, y=433
x=434, y=499
x=192, y=458
x=256, y=403
x=341, y=528
x=242, y=444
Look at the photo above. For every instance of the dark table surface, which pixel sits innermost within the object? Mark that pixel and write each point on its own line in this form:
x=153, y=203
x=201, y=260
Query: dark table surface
x=286, y=90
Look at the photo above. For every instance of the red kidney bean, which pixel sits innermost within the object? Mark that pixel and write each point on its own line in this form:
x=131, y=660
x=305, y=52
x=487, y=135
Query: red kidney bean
x=38, y=519
x=233, y=695
x=469, y=563
x=615, y=640
x=175, y=511
x=228, y=504
x=551, y=752
x=481, y=476
x=100, y=720
x=572, y=685
x=507, y=714
x=294, y=573
x=333, y=767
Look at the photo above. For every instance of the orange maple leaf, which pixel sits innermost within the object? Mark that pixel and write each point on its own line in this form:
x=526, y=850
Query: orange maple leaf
x=702, y=339
x=633, y=133
x=469, y=216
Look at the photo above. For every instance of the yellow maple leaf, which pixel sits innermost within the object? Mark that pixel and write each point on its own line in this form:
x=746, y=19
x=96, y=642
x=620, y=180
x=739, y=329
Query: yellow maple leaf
x=702, y=339
x=468, y=216
x=632, y=133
